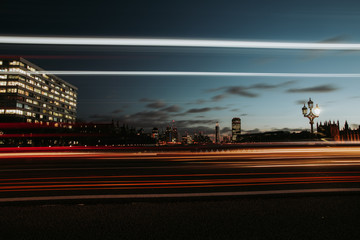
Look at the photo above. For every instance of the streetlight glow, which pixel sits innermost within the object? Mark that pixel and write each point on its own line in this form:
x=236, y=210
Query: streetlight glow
x=317, y=110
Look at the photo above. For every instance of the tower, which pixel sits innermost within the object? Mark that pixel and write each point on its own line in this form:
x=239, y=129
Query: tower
x=217, y=133
x=236, y=129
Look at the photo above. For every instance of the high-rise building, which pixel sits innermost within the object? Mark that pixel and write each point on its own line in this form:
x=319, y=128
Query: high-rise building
x=155, y=133
x=236, y=129
x=26, y=96
x=217, y=133
x=171, y=135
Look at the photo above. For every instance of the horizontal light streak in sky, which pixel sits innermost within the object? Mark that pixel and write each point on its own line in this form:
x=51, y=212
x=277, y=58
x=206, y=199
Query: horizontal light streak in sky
x=153, y=42
x=201, y=74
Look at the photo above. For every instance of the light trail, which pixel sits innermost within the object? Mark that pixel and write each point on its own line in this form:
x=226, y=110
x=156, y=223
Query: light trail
x=185, y=73
x=172, y=184
x=161, y=42
x=177, y=195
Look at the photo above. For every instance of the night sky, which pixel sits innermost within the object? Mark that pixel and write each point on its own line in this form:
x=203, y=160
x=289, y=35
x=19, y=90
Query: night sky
x=195, y=102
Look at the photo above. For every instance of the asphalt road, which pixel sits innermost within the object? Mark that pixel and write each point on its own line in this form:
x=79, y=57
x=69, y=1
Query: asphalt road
x=260, y=193
x=52, y=176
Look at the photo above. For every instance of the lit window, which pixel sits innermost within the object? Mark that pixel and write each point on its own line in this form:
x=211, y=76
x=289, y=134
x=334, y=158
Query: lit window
x=19, y=105
x=12, y=83
x=2, y=111
x=14, y=63
x=31, y=68
x=2, y=83
x=12, y=90
x=1, y=62
x=3, y=76
x=2, y=90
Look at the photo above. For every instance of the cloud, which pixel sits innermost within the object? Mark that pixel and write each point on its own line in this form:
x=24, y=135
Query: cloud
x=270, y=86
x=172, y=108
x=199, y=101
x=218, y=97
x=157, y=104
x=336, y=39
x=145, y=115
x=117, y=111
x=256, y=130
x=241, y=91
x=199, y=110
x=187, y=123
x=244, y=90
x=225, y=130
x=219, y=108
x=300, y=102
x=313, y=54
x=243, y=115
x=206, y=109
x=316, y=89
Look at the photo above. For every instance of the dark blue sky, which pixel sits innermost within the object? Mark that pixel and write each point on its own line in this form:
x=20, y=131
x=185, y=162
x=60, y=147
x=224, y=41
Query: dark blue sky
x=263, y=103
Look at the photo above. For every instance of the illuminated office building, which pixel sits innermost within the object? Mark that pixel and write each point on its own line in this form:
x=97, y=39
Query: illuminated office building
x=34, y=98
x=236, y=129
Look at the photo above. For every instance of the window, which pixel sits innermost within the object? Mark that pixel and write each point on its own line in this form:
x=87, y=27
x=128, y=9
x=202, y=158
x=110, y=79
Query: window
x=12, y=83
x=14, y=63
x=12, y=90
x=14, y=111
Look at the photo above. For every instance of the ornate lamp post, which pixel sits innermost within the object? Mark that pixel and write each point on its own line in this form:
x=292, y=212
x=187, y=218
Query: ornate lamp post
x=313, y=113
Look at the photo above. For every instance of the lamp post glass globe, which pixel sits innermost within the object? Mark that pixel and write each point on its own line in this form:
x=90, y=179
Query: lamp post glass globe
x=304, y=110
x=317, y=110
x=310, y=103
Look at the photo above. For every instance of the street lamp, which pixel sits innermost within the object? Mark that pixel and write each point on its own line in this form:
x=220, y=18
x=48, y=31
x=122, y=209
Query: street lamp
x=313, y=113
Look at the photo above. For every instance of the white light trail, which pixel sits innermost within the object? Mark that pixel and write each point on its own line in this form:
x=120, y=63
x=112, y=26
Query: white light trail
x=179, y=73
x=153, y=42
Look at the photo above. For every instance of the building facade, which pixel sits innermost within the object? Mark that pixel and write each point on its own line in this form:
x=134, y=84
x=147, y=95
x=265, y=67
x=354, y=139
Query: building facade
x=217, y=133
x=26, y=96
x=331, y=131
x=236, y=129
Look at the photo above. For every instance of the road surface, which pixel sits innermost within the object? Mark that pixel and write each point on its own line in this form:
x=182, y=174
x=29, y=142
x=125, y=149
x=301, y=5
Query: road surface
x=79, y=175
